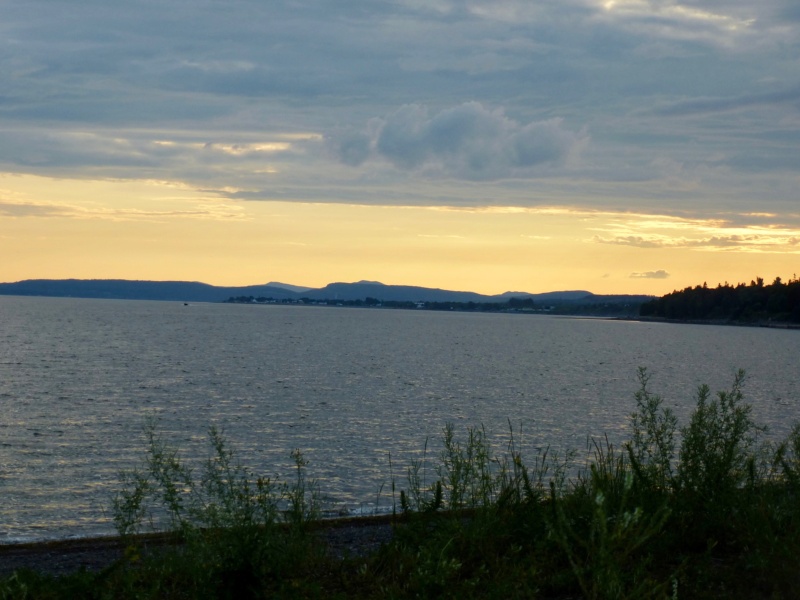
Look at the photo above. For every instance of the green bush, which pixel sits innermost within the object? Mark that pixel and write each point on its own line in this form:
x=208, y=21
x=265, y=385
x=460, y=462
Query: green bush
x=228, y=521
x=719, y=456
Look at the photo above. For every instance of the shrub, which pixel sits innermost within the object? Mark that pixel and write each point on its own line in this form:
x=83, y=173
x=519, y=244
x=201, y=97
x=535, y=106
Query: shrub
x=232, y=534
x=718, y=456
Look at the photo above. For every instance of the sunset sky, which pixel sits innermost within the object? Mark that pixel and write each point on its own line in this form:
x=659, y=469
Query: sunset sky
x=617, y=146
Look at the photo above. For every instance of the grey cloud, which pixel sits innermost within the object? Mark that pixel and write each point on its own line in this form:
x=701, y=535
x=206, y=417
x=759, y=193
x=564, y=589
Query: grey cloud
x=12, y=209
x=200, y=159
x=129, y=73
x=660, y=274
x=790, y=12
x=699, y=106
x=766, y=158
x=781, y=6
x=58, y=149
x=140, y=54
x=467, y=141
x=354, y=148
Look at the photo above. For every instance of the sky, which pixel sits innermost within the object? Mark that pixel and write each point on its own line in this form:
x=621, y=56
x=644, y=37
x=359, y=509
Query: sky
x=617, y=146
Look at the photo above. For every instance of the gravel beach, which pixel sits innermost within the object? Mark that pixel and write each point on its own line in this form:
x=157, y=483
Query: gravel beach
x=344, y=537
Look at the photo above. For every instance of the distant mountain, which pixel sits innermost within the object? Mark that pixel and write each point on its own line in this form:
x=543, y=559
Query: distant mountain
x=123, y=289
x=549, y=296
x=292, y=288
x=185, y=291
x=394, y=293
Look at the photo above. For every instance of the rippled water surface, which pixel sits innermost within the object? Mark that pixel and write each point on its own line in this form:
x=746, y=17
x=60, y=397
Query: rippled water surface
x=350, y=387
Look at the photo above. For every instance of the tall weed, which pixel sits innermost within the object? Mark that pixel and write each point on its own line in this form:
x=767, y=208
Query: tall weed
x=603, y=533
x=236, y=530
x=651, y=449
x=164, y=492
x=466, y=472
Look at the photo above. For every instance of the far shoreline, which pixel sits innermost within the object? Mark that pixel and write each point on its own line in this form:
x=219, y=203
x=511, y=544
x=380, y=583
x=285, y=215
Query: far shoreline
x=762, y=324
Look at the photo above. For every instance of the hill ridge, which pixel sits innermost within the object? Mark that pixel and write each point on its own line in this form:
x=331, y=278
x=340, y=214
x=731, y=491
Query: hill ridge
x=195, y=291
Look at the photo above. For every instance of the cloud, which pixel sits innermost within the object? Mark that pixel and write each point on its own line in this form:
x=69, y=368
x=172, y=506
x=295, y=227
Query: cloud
x=469, y=91
x=790, y=11
x=467, y=141
x=684, y=21
x=635, y=240
x=776, y=242
x=21, y=209
x=200, y=208
x=223, y=162
x=660, y=274
x=753, y=232
x=699, y=106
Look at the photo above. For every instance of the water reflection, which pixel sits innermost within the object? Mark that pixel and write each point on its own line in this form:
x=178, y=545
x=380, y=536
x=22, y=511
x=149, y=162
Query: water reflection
x=352, y=388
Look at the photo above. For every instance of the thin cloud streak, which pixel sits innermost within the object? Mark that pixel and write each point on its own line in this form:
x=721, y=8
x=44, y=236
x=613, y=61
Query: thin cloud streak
x=700, y=106
x=24, y=210
x=660, y=274
x=778, y=244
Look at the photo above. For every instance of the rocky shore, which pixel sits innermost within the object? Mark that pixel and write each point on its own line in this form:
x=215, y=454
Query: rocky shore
x=343, y=537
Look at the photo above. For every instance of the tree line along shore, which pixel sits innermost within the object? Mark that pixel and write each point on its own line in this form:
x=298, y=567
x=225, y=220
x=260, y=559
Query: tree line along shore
x=744, y=303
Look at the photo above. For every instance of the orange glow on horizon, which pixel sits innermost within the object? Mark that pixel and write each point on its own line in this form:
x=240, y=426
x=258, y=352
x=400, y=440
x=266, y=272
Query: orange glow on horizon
x=154, y=230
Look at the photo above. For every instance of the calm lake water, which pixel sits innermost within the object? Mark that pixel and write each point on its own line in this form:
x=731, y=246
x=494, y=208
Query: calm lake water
x=349, y=387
